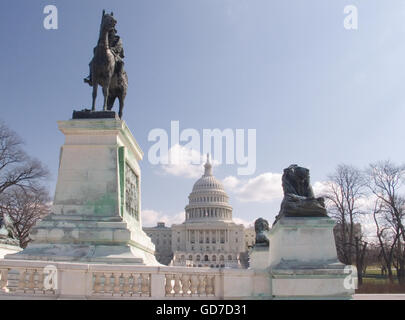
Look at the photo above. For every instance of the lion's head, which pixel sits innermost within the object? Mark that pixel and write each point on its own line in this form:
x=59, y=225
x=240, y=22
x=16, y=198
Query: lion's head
x=296, y=181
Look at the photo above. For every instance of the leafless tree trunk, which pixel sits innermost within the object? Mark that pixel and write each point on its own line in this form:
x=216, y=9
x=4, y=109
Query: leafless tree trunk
x=386, y=241
x=360, y=249
x=385, y=180
x=344, y=190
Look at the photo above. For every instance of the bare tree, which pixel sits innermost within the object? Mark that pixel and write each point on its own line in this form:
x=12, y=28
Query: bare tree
x=25, y=208
x=16, y=167
x=385, y=181
x=343, y=194
x=22, y=194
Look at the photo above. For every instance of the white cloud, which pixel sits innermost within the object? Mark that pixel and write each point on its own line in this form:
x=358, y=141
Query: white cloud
x=320, y=188
x=265, y=187
x=368, y=227
x=246, y=223
x=150, y=218
x=184, y=162
x=230, y=183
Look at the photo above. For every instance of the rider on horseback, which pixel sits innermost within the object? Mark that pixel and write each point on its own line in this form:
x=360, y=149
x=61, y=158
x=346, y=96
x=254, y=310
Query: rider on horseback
x=115, y=44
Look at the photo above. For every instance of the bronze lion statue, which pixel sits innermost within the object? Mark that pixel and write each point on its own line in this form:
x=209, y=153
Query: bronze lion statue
x=299, y=199
x=260, y=226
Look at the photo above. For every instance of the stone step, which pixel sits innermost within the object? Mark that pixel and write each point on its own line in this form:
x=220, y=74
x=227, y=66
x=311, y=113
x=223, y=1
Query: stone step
x=77, y=217
x=83, y=235
x=81, y=224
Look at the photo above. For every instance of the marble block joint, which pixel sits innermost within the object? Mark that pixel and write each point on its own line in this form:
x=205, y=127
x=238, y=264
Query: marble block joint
x=96, y=209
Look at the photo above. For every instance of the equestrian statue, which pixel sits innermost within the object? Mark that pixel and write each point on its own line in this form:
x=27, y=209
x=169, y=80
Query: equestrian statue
x=107, y=66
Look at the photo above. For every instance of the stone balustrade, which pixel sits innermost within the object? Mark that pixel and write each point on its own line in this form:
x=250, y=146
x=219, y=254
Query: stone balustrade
x=123, y=284
x=24, y=281
x=190, y=284
x=106, y=281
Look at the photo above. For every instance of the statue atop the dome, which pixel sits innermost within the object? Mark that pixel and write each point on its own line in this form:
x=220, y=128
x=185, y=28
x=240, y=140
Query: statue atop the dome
x=299, y=199
x=107, y=66
x=208, y=166
x=261, y=225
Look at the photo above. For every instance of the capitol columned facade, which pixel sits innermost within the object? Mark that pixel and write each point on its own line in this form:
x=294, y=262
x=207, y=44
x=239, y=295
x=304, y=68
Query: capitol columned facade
x=208, y=237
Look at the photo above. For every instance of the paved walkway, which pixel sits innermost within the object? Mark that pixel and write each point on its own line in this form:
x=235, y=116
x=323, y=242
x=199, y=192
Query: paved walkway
x=389, y=296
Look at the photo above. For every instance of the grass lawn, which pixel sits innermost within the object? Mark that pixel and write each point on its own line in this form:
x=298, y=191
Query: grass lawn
x=374, y=282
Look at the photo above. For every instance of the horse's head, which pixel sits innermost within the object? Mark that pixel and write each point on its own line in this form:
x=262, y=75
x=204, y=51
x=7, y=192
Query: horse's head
x=108, y=22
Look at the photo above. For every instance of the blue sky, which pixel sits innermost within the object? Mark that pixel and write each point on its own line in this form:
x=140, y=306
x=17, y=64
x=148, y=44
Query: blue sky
x=317, y=94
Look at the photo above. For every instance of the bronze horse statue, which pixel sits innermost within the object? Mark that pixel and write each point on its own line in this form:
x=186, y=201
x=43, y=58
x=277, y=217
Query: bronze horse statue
x=106, y=67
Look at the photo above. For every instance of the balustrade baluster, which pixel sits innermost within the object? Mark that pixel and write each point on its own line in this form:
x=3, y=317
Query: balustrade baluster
x=21, y=281
x=4, y=279
x=145, y=289
x=125, y=286
x=31, y=284
x=116, y=283
x=132, y=287
x=194, y=284
x=36, y=280
x=185, y=283
x=138, y=284
x=209, y=285
x=176, y=286
x=108, y=288
x=201, y=285
x=168, y=285
x=41, y=278
x=97, y=282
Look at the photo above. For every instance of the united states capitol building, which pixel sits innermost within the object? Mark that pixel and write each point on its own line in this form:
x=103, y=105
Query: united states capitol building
x=208, y=237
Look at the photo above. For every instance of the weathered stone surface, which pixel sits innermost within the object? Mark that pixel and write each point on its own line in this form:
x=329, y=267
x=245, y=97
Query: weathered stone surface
x=259, y=257
x=303, y=259
x=89, y=220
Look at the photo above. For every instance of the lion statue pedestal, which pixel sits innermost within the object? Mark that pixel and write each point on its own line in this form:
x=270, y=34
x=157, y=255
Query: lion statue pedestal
x=302, y=254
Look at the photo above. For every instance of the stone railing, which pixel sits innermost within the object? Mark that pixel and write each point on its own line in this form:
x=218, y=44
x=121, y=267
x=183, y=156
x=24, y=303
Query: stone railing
x=190, y=284
x=31, y=279
x=24, y=281
x=122, y=284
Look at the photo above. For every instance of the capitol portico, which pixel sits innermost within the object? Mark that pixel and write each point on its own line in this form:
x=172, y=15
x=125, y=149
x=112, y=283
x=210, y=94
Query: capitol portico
x=208, y=237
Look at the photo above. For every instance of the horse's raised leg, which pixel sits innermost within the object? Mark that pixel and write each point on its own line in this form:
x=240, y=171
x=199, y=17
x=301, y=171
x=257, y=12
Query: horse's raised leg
x=93, y=106
x=121, y=100
x=105, y=92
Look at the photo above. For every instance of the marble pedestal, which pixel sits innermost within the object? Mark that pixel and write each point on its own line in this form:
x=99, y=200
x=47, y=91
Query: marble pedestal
x=259, y=258
x=303, y=260
x=96, y=214
x=6, y=248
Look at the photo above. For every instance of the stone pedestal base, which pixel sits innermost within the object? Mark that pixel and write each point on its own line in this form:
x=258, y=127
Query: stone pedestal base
x=96, y=214
x=259, y=258
x=6, y=249
x=303, y=260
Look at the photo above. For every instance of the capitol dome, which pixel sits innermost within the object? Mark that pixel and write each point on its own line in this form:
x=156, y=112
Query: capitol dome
x=208, y=201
